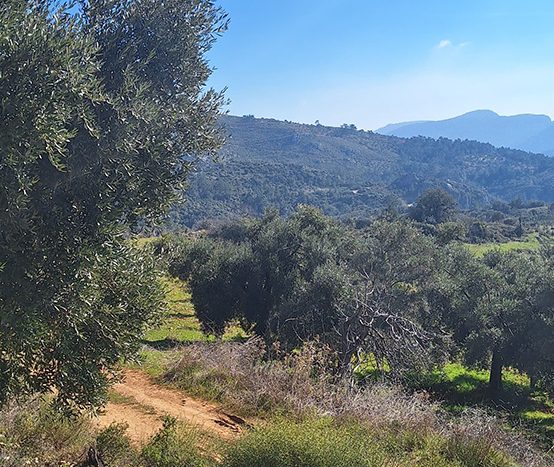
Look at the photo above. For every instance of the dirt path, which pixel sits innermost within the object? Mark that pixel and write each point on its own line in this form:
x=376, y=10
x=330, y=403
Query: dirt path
x=141, y=404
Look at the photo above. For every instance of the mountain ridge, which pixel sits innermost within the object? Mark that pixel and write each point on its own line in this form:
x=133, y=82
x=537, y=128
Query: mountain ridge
x=528, y=132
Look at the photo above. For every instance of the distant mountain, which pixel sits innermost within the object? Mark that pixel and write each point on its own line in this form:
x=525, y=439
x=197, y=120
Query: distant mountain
x=527, y=132
x=352, y=173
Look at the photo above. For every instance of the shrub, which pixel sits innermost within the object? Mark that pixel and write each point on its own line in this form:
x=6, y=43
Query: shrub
x=320, y=442
x=314, y=443
x=299, y=387
x=299, y=383
x=114, y=448
x=174, y=445
x=34, y=433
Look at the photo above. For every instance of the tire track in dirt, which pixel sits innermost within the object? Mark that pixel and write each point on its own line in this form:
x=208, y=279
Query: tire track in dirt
x=144, y=404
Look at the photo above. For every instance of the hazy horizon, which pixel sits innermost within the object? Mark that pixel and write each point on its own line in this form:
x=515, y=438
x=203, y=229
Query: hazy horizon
x=391, y=123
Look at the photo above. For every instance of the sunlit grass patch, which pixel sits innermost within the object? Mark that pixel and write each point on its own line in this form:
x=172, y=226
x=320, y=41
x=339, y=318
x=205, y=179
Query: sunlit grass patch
x=460, y=383
x=180, y=324
x=460, y=387
x=321, y=442
x=538, y=421
x=182, y=329
x=178, y=296
x=531, y=242
x=153, y=362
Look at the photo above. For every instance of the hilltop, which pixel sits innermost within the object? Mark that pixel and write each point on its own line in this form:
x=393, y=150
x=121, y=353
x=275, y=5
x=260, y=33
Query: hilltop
x=352, y=173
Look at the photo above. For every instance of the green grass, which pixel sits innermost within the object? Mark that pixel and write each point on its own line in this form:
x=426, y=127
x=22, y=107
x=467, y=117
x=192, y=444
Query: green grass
x=531, y=242
x=459, y=387
x=176, y=330
x=320, y=442
x=175, y=445
x=153, y=362
x=538, y=417
x=469, y=384
x=180, y=325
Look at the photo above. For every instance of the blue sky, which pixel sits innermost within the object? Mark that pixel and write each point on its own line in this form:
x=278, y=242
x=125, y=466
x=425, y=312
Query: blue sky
x=373, y=62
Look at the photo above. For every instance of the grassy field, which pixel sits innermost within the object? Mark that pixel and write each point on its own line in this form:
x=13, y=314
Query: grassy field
x=180, y=324
x=531, y=242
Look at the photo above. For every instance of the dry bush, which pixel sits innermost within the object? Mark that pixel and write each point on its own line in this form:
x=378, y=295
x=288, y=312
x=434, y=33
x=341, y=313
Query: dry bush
x=32, y=432
x=300, y=384
x=485, y=432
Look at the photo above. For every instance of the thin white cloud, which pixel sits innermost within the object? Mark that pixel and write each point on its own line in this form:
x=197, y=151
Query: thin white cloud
x=447, y=43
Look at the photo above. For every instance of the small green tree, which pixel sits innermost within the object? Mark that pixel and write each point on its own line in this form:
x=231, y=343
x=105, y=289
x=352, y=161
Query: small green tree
x=434, y=206
x=500, y=310
x=102, y=113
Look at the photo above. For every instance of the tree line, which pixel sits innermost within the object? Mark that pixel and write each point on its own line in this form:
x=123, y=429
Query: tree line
x=387, y=291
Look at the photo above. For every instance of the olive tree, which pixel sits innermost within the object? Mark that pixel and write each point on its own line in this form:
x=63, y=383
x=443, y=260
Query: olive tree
x=500, y=310
x=307, y=277
x=388, y=314
x=256, y=276
x=433, y=206
x=103, y=109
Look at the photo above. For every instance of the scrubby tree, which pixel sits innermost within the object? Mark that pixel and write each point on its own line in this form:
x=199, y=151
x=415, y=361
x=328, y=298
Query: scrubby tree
x=102, y=113
x=387, y=314
x=500, y=310
x=434, y=206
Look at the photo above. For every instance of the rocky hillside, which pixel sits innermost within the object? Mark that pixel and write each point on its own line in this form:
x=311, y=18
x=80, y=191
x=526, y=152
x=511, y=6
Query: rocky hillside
x=352, y=173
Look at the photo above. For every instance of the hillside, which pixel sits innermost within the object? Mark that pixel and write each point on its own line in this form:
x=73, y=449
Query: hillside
x=352, y=173
x=527, y=132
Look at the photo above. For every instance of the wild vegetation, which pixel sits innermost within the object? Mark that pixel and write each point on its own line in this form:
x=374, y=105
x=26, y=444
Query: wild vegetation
x=367, y=340
x=295, y=398
x=308, y=419
x=387, y=291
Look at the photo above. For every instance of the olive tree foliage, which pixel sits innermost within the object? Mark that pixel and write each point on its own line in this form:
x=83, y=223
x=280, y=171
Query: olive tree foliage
x=102, y=112
x=433, y=206
x=388, y=313
x=296, y=279
x=501, y=311
x=256, y=270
